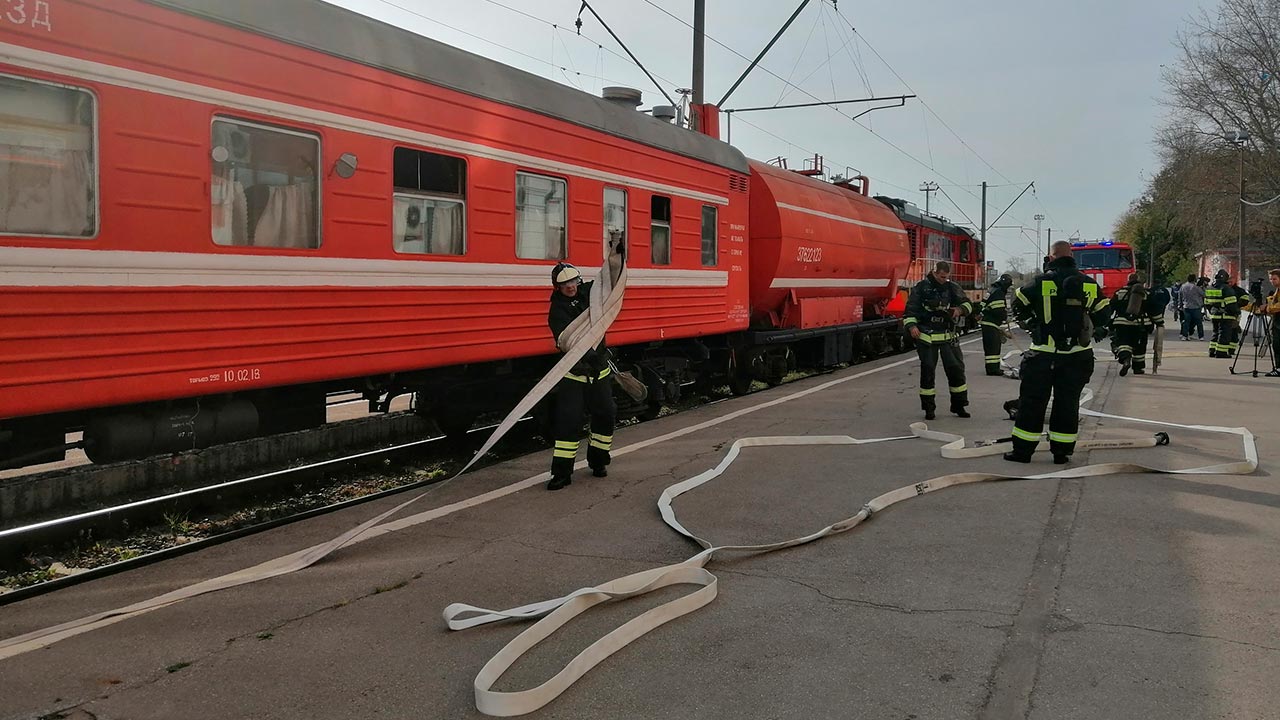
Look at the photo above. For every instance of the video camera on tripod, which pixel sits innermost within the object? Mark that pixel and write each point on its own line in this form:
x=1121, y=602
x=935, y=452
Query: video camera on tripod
x=1255, y=292
x=1259, y=327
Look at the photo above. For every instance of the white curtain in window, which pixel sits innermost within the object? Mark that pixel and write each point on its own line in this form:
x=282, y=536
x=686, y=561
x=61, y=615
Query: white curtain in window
x=230, y=212
x=288, y=220
x=446, y=236
x=46, y=192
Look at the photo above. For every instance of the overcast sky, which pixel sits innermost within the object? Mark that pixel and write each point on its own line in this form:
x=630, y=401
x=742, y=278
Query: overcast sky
x=1062, y=93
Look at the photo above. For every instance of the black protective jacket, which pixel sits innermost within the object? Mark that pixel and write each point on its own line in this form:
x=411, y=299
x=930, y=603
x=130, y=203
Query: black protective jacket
x=929, y=308
x=995, y=310
x=565, y=310
x=1059, y=325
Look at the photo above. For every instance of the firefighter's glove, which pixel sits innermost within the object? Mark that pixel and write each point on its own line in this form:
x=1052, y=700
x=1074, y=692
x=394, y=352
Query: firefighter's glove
x=1099, y=333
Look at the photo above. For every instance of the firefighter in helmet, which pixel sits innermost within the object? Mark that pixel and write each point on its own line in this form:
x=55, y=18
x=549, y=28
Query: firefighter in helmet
x=1130, y=325
x=994, y=315
x=1064, y=312
x=1223, y=307
x=934, y=306
x=588, y=385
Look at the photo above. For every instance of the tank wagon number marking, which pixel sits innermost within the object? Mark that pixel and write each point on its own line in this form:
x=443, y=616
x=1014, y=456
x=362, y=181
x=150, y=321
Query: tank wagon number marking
x=808, y=254
x=35, y=13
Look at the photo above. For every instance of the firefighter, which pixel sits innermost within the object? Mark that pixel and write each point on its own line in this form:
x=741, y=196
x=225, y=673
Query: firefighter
x=588, y=384
x=934, y=306
x=1064, y=312
x=1242, y=304
x=1223, y=307
x=1130, y=326
x=994, y=315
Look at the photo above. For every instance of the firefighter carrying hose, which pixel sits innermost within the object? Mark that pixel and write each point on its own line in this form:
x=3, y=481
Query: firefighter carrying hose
x=995, y=313
x=1223, y=308
x=934, y=306
x=588, y=384
x=1064, y=312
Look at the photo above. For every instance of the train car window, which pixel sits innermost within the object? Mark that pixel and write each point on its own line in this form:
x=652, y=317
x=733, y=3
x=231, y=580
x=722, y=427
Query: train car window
x=710, y=231
x=939, y=248
x=660, y=231
x=48, y=168
x=1104, y=259
x=964, y=251
x=615, y=216
x=429, y=203
x=265, y=190
x=540, y=217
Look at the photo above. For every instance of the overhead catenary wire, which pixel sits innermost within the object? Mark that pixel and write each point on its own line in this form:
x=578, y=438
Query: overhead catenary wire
x=875, y=134
x=600, y=76
x=508, y=48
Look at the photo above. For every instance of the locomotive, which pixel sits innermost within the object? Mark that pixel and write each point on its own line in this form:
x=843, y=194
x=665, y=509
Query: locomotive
x=213, y=214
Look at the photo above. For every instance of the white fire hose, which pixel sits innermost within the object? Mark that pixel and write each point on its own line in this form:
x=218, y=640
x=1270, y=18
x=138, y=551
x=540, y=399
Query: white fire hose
x=557, y=612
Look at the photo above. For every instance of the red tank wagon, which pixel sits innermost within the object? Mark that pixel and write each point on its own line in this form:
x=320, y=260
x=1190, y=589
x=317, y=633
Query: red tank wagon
x=821, y=254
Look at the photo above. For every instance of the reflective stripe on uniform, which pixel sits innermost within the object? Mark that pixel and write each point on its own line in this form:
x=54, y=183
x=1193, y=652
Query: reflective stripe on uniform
x=1051, y=347
x=989, y=324
x=566, y=449
x=938, y=337
x=928, y=391
x=1025, y=435
x=601, y=442
x=996, y=304
x=583, y=378
x=1063, y=437
x=992, y=358
x=1048, y=291
x=959, y=389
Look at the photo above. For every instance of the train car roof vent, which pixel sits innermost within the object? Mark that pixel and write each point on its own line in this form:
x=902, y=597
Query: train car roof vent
x=665, y=113
x=621, y=95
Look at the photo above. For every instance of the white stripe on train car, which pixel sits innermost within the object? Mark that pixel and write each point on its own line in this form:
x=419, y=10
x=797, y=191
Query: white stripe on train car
x=112, y=75
x=829, y=282
x=841, y=218
x=61, y=267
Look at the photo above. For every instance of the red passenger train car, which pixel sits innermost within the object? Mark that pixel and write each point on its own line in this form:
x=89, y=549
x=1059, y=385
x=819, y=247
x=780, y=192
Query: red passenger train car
x=213, y=213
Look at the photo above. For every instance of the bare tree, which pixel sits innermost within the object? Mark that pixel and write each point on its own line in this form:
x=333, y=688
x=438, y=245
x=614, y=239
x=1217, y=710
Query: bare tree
x=1227, y=78
x=1018, y=266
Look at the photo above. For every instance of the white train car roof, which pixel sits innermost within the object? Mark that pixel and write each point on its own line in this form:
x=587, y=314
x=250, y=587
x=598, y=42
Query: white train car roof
x=335, y=31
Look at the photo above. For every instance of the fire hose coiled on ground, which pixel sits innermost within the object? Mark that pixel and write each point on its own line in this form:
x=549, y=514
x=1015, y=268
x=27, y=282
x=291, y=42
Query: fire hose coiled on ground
x=558, y=612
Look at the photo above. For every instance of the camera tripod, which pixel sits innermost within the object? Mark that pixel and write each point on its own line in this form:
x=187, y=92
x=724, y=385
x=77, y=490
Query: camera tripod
x=1260, y=327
